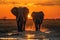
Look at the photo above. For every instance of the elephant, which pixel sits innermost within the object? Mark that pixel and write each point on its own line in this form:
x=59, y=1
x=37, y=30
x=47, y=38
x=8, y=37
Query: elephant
x=21, y=14
x=37, y=19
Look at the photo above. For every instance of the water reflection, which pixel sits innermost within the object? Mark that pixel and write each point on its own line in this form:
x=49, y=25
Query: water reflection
x=31, y=35
x=8, y=38
x=25, y=36
x=21, y=39
x=28, y=35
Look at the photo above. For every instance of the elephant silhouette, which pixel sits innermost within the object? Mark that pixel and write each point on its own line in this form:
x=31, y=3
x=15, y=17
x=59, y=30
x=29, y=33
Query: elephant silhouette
x=37, y=19
x=21, y=14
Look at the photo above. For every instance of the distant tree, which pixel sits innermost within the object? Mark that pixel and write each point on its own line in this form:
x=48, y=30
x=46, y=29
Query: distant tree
x=4, y=18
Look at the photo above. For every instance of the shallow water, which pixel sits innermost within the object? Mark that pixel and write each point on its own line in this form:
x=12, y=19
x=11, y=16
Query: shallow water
x=45, y=34
x=30, y=35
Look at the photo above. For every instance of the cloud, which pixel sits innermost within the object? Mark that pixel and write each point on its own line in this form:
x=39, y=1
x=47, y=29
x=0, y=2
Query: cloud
x=9, y=2
x=48, y=3
x=39, y=2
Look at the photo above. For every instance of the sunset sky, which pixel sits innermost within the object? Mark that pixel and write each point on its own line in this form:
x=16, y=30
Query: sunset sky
x=51, y=8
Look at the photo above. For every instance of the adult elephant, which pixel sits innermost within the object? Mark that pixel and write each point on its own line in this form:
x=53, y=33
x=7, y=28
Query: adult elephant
x=21, y=17
x=37, y=19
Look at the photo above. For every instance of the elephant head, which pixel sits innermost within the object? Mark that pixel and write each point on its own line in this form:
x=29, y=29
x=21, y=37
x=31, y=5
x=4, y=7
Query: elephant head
x=16, y=11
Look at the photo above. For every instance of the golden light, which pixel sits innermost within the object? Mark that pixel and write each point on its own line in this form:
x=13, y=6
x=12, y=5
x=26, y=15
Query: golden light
x=29, y=16
x=30, y=36
x=29, y=4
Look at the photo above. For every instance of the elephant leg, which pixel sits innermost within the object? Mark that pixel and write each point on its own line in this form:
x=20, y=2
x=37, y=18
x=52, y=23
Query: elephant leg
x=39, y=26
x=19, y=25
x=36, y=26
x=24, y=26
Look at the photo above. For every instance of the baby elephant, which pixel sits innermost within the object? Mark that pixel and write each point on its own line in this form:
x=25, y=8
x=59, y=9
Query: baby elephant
x=37, y=19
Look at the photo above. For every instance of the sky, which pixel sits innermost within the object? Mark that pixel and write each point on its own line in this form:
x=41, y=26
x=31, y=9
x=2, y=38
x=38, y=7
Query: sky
x=51, y=8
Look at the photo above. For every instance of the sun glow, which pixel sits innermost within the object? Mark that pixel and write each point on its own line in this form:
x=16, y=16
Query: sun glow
x=29, y=4
x=29, y=16
x=30, y=36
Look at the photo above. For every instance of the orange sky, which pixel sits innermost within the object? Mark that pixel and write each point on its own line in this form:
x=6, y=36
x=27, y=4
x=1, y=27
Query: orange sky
x=50, y=11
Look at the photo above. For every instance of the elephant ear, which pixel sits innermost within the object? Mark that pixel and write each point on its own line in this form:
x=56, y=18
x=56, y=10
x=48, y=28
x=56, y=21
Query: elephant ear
x=14, y=11
x=41, y=14
x=25, y=10
x=33, y=14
